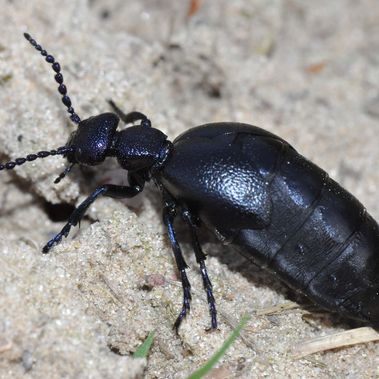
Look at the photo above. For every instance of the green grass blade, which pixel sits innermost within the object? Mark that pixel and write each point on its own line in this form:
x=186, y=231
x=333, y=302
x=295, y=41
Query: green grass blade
x=143, y=350
x=202, y=371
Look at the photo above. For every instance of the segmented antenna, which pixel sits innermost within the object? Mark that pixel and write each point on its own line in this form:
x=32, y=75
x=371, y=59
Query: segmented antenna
x=62, y=89
x=64, y=173
x=32, y=157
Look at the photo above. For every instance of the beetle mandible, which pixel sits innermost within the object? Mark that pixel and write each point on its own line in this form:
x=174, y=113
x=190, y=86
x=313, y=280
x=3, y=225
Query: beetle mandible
x=247, y=185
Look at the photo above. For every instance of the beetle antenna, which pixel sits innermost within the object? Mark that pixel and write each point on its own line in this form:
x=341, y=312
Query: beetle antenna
x=63, y=150
x=64, y=173
x=62, y=89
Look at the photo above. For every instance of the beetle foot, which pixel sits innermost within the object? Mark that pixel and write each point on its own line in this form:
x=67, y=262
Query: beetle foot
x=54, y=241
x=186, y=300
x=210, y=298
x=51, y=243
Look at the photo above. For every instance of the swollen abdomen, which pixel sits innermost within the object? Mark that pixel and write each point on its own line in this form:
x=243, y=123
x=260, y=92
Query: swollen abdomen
x=320, y=241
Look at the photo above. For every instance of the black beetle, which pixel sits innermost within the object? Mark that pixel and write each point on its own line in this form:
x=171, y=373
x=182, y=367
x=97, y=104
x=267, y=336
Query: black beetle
x=251, y=188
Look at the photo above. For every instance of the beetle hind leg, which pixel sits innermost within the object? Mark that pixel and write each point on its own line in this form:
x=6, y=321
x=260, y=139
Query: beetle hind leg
x=200, y=258
x=169, y=213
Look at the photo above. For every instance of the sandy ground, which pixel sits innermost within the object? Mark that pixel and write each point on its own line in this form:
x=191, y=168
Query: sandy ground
x=308, y=71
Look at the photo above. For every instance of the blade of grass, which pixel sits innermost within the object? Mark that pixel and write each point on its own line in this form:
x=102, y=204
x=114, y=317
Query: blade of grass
x=143, y=350
x=202, y=371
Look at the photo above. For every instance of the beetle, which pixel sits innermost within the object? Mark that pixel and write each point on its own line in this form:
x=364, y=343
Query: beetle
x=247, y=185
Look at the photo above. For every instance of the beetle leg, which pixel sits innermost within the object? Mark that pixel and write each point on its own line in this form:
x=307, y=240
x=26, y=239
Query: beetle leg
x=169, y=213
x=131, y=117
x=110, y=190
x=200, y=258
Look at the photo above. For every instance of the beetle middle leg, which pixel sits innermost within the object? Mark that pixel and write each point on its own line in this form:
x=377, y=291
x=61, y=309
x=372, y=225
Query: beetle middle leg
x=110, y=190
x=169, y=213
x=200, y=259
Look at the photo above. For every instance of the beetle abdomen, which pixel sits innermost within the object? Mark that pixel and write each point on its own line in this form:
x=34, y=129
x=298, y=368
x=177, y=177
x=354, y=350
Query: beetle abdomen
x=321, y=240
x=350, y=283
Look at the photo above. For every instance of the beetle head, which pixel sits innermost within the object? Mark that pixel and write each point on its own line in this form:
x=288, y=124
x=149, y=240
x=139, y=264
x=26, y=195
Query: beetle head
x=93, y=139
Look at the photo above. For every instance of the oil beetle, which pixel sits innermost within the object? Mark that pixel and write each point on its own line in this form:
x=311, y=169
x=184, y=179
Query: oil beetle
x=251, y=188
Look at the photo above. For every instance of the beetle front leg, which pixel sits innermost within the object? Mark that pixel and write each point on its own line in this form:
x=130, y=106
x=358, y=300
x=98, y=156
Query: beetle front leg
x=110, y=190
x=131, y=117
x=200, y=258
x=169, y=213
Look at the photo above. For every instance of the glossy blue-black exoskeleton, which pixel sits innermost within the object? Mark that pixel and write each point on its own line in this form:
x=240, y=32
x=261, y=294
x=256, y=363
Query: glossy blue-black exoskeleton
x=251, y=188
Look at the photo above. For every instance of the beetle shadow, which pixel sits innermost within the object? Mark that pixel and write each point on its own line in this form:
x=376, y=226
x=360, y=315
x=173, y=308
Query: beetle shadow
x=56, y=212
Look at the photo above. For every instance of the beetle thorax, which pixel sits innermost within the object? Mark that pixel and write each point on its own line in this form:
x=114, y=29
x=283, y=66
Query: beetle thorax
x=139, y=147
